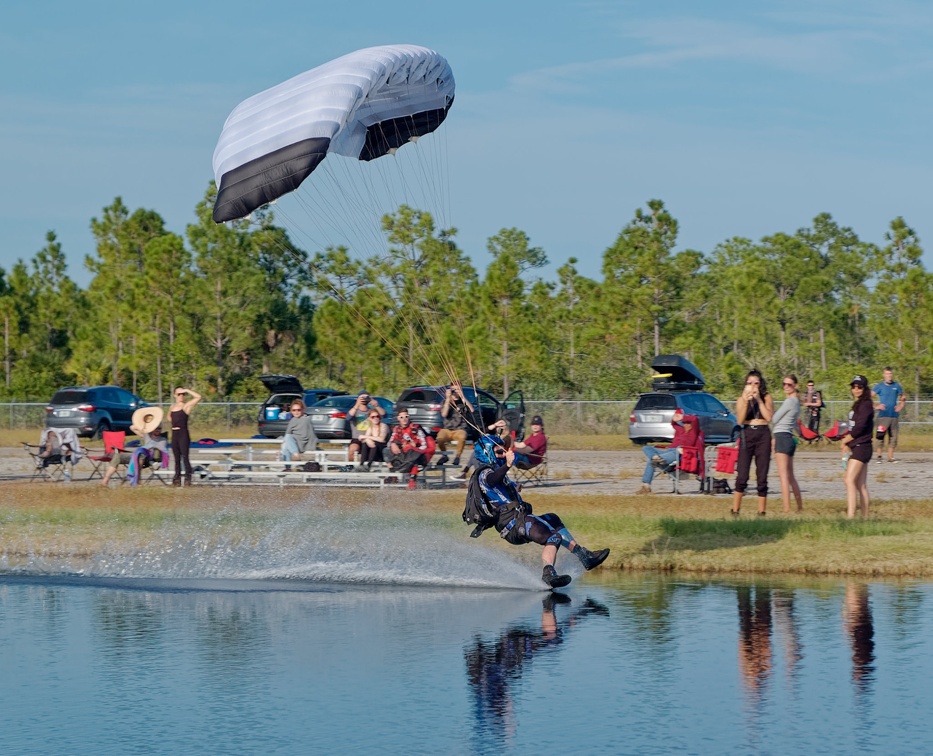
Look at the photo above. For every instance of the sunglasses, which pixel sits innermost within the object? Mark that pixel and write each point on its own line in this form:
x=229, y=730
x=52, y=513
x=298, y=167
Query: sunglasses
x=499, y=452
x=788, y=384
x=297, y=409
x=374, y=417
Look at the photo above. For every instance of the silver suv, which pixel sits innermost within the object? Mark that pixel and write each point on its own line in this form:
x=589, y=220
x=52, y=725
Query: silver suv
x=91, y=410
x=678, y=384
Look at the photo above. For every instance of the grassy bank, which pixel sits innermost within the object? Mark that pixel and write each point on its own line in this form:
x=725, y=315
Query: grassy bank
x=663, y=533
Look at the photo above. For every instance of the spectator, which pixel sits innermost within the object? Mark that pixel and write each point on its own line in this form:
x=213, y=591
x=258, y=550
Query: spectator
x=374, y=440
x=457, y=414
x=357, y=417
x=888, y=397
x=178, y=415
x=299, y=433
x=753, y=411
x=686, y=433
x=856, y=448
x=783, y=444
x=407, y=447
x=813, y=401
x=149, y=430
x=530, y=452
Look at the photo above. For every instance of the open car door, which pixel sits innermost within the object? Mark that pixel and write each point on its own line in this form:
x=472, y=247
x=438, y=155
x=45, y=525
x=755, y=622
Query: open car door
x=512, y=411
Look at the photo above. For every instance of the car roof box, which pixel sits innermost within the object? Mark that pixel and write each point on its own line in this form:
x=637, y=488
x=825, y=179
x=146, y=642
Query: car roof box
x=672, y=372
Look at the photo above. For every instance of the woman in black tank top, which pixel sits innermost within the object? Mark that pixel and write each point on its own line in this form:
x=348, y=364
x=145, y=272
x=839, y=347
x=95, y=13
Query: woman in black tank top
x=753, y=411
x=178, y=415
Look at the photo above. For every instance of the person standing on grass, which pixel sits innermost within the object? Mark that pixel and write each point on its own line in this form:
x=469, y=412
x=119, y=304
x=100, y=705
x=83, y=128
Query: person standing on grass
x=856, y=445
x=813, y=401
x=784, y=445
x=178, y=415
x=888, y=397
x=753, y=411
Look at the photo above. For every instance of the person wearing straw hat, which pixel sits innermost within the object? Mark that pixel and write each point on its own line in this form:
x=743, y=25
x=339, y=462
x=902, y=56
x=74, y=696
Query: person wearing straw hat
x=147, y=424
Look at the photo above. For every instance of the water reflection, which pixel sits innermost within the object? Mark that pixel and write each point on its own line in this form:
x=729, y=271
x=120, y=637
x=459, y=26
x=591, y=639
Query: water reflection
x=860, y=630
x=494, y=667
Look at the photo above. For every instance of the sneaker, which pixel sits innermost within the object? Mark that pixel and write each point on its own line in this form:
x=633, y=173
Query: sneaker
x=656, y=458
x=456, y=461
x=413, y=478
x=645, y=489
x=461, y=476
x=443, y=460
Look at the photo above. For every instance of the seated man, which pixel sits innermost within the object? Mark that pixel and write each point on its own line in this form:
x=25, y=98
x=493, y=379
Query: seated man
x=154, y=442
x=686, y=433
x=530, y=452
x=299, y=433
x=407, y=447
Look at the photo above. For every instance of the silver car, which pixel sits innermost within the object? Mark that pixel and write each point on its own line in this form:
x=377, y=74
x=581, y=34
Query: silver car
x=650, y=421
x=329, y=416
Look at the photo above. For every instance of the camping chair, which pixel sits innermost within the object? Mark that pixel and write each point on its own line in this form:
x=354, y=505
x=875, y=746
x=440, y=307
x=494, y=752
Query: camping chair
x=113, y=444
x=60, y=464
x=806, y=434
x=147, y=471
x=532, y=475
x=837, y=431
x=691, y=460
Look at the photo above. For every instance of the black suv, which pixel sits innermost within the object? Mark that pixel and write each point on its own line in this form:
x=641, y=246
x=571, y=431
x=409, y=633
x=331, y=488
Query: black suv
x=678, y=384
x=283, y=390
x=91, y=410
x=424, y=406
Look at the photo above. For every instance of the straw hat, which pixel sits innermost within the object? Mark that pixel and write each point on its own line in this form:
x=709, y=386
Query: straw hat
x=147, y=418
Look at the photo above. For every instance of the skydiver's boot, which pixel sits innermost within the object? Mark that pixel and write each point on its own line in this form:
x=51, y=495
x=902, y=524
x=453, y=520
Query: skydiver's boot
x=551, y=577
x=590, y=559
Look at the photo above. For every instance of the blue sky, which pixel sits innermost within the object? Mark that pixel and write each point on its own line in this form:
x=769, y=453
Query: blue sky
x=745, y=118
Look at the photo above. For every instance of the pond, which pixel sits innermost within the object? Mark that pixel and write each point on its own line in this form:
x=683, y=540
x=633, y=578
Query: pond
x=97, y=663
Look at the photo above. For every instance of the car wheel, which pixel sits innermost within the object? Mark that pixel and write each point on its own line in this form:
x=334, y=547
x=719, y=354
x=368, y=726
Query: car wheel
x=102, y=427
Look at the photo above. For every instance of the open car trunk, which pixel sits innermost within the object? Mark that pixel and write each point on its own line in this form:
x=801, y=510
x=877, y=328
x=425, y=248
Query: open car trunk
x=675, y=373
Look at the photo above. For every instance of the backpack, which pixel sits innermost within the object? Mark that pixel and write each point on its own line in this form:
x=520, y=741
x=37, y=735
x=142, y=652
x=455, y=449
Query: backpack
x=479, y=510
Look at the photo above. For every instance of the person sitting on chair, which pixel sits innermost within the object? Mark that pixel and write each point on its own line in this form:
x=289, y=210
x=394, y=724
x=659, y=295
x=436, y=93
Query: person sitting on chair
x=150, y=431
x=686, y=433
x=530, y=452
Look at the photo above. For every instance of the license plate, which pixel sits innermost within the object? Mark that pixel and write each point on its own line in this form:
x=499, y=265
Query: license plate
x=62, y=413
x=654, y=419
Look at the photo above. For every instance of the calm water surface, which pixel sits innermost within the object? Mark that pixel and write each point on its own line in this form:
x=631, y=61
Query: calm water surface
x=409, y=649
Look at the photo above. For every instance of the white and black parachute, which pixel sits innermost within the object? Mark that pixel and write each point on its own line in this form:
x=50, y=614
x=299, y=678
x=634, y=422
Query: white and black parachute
x=363, y=105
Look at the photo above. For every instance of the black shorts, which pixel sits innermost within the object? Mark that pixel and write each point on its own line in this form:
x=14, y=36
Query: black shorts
x=862, y=452
x=784, y=444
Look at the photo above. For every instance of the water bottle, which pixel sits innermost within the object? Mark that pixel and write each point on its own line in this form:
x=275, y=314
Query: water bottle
x=845, y=461
x=278, y=456
x=67, y=475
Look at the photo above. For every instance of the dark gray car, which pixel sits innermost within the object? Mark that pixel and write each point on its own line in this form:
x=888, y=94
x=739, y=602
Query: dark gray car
x=283, y=390
x=424, y=406
x=91, y=410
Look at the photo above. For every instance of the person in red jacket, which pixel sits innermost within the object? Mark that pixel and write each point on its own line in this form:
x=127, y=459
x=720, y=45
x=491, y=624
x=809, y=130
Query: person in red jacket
x=408, y=447
x=686, y=433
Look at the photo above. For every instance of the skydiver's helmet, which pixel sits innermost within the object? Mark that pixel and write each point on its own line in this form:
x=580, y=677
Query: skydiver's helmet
x=484, y=450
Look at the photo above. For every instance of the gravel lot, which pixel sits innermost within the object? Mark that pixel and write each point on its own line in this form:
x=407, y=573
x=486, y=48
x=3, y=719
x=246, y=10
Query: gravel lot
x=619, y=473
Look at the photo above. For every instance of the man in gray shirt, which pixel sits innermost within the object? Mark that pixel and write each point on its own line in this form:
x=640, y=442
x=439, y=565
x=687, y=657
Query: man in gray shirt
x=299, y=433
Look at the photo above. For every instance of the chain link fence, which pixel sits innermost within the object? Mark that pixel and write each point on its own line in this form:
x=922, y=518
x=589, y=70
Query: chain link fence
x=560, y=417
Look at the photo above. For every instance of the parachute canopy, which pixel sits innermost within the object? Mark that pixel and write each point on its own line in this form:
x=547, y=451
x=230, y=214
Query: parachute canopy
x=362, y=105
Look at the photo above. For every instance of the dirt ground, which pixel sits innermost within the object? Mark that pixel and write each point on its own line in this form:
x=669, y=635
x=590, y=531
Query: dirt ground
x=619, y=473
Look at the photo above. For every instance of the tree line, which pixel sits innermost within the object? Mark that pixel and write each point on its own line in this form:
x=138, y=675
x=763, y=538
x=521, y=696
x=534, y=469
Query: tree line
x=224, y=304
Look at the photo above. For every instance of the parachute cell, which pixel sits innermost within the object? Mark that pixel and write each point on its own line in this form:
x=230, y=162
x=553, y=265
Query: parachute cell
x=363, y=105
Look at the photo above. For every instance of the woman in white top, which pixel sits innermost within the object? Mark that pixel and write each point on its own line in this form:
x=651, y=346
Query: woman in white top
x=785, y=421
x=373, y=440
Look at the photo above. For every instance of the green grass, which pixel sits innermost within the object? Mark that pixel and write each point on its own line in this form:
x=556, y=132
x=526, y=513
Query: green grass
x=663, y=533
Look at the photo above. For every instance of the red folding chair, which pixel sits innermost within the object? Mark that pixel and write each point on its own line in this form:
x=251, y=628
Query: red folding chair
x=837, y=431
x=691, y=460
x=113, y=444
x=806, y=434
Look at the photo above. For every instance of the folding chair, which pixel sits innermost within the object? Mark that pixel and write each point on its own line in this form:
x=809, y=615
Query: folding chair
x=113, y=444
x=691, y=460
x=532, y=475
x=837, y=431
x=146, y=473
x=806, y=434
x=59, y=465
